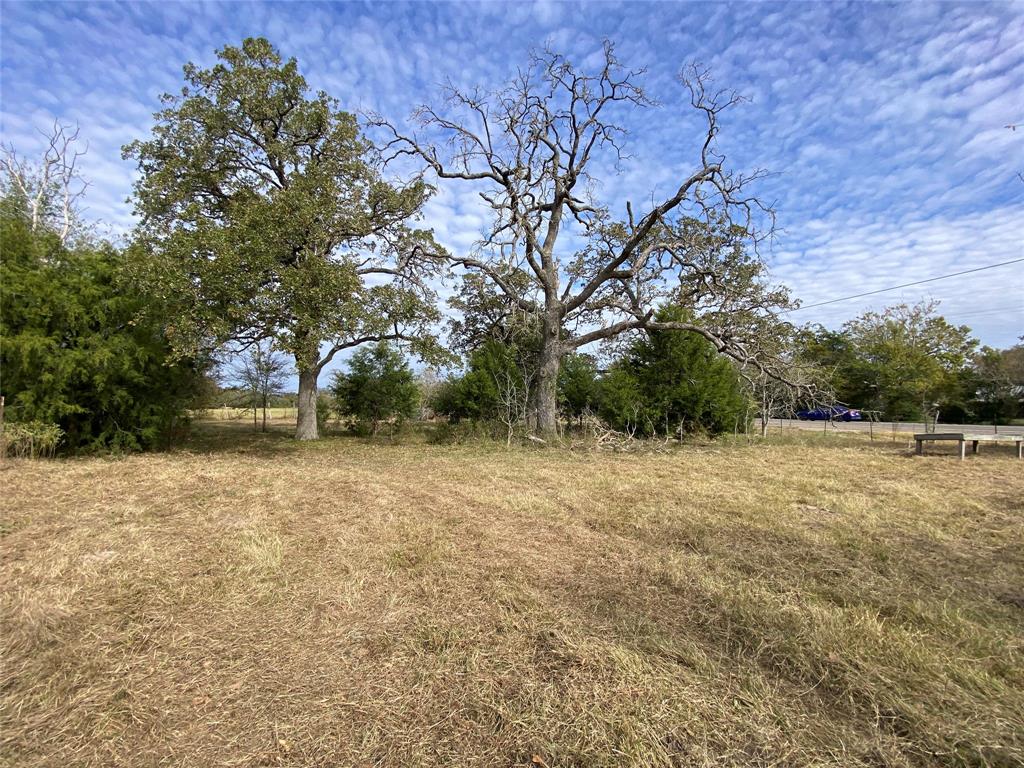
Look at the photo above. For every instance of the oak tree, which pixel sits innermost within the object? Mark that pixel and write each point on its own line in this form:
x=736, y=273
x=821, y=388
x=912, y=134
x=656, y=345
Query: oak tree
x=265, y=216
x=589, y=269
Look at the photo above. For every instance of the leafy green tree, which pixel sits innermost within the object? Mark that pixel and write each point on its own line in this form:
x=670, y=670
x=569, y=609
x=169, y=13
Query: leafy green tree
x=495, y=389
x=265, y=215
x=622, y=403
x=447, y=399
x=378, y=387
x=671, y=382
x=903, y=361
x=481, y=391
x=484, y=314
x=73, y=349
x=997, y=382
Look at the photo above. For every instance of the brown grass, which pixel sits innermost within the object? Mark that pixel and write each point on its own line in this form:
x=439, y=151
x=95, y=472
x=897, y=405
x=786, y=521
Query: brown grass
x=254, y=602
x=245, y=414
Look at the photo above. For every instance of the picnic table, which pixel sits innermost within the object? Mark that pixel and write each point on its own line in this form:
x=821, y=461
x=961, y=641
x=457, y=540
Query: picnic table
x=969, y=437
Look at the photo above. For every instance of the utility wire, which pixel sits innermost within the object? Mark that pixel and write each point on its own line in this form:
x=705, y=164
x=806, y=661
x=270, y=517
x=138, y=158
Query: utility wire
x=905, y=285
x=1018, y=307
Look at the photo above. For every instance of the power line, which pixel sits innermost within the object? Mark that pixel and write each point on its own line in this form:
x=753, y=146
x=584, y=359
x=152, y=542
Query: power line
x=905, y=285
x=1018, y=307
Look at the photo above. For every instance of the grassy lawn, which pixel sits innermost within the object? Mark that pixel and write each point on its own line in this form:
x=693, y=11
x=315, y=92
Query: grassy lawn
x=252, y=601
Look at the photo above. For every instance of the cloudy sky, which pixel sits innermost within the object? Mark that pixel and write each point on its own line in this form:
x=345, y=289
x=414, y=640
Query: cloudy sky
x=885, y=126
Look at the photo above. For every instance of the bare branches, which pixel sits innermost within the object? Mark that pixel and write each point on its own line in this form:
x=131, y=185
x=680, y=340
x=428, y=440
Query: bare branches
x=529, y=149
x=356, y=341
x=51, y=187
x=513, y=390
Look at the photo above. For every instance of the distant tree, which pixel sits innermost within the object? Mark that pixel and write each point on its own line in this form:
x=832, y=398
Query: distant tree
x=447, y=399
x=379, y=387
x=264, y=216
x=483, y=315
x=262, y=373
x=671, y=382
x=1013, y=359
x=905, y=360
x=77, y=350
x=428, y=383
x=805, y=383
x=997, y=381
x=558, y=254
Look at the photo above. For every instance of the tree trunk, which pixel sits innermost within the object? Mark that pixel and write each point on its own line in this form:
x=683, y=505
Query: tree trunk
x=546, y=402
x=306, y=427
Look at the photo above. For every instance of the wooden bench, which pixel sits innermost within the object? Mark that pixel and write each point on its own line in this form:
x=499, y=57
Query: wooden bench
x=968, y=437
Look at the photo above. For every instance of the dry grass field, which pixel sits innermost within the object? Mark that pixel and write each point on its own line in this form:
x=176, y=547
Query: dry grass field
x=250, y=601
x=245, y=415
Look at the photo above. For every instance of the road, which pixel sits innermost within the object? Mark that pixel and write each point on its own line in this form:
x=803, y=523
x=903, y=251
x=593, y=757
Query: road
x=888, y=427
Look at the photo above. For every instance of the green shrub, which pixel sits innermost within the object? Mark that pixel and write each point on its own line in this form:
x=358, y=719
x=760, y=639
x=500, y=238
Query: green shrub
x=672, y=382
x=477, y=395
x=82, y=349
x=31, y=439
x=379, y=388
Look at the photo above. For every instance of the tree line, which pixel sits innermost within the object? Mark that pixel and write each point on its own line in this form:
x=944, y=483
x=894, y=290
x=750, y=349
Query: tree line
x=906, y=363
x=273, y=222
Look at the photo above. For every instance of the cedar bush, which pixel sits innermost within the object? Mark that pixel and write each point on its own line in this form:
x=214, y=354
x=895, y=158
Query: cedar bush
x=379, y=387
x=672, y=382
x=80, y=349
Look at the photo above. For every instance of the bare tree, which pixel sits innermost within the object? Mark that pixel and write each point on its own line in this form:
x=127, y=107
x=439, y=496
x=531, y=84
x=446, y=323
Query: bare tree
x=530, y=148
x=50, y=187
x=776, y=397
x=261, y=372
x=513, y=388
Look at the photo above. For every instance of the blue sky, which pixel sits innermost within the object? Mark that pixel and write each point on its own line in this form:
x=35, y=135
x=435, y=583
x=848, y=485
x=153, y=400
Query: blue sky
x=884, y=124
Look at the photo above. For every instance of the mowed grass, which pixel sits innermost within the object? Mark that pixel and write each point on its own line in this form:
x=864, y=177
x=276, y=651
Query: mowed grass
x=252, y=601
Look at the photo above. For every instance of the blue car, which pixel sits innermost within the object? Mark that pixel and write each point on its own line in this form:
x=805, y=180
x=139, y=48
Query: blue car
x=829, y=413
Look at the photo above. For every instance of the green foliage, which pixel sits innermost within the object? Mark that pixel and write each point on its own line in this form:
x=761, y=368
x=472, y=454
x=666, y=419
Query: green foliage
x=997, y=381
x=902, y=361
x=670, y=382
x=485, y=314
x=30, y=440
x=265, y=214
x=462, y=432
x=481, y=393
x=378, y=387
x=76, y=351
x=577, y=384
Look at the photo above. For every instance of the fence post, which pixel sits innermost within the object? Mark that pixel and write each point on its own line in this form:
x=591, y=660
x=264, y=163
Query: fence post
x=3, y=440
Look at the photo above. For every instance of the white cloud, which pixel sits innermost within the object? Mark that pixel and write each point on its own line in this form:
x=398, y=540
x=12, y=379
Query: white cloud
x=884, y=123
